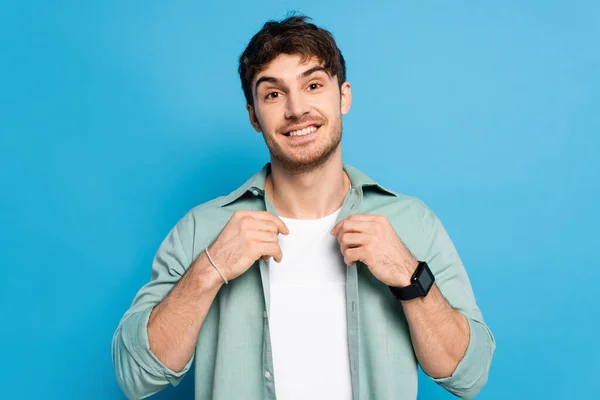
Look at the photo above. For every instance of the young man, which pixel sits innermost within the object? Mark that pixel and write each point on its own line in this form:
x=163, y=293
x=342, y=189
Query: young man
x=310, y=280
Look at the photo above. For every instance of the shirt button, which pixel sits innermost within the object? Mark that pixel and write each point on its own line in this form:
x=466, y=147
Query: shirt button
x=267, y=375
x=255, y=192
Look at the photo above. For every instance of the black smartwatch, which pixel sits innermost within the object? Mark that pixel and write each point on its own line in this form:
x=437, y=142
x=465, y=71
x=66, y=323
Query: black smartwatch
x=420, y=283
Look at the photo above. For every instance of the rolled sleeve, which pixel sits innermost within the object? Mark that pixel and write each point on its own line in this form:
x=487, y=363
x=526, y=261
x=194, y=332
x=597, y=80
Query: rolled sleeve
x=139, y=372
x=471, y=373
x=135, y=339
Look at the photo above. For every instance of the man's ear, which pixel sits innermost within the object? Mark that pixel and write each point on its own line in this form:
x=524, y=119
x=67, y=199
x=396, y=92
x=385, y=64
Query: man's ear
x=346, y=94
x=253, y=119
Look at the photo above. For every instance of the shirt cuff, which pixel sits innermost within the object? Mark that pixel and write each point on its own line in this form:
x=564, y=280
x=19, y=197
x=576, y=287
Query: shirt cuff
x=471, y=372
x=135, y=337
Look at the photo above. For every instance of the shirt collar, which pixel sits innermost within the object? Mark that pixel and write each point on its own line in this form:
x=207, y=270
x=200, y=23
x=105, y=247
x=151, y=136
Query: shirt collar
x=256, y=183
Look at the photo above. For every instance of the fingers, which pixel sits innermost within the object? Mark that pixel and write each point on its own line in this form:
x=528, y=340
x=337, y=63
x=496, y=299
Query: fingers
x=264, y=226
x=349, y=241
x=263, y=236
x=267, y=216
x=262, y=229
x=260, y=220
x=352, y=255
x=368, y=218
x=353, y=239
x=355, y=226
x=270, y=250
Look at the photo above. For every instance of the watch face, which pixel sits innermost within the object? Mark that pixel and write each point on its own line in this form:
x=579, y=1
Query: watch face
x=425, y=279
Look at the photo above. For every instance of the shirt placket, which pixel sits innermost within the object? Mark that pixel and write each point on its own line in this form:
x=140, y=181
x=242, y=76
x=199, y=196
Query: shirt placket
x=350, y=206
x=352, y=314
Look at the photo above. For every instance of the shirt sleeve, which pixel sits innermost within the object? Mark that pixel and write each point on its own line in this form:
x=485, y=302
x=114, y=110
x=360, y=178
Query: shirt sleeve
x=472, y=372
x=139, y=372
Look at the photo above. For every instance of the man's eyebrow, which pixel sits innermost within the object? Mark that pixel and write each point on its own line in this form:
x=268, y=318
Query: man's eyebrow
x=278, y=81
x=312, y=71
x=266, y=79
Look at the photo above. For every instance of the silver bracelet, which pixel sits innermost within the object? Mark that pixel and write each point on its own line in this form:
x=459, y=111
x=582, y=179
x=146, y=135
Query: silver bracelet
x=214, y=265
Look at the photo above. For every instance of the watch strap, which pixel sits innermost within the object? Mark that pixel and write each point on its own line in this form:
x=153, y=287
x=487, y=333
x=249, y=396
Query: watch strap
x=421, y=282
x=406, y=293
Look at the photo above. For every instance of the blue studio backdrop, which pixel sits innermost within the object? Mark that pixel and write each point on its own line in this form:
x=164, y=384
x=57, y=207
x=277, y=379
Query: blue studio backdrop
x=118, y=117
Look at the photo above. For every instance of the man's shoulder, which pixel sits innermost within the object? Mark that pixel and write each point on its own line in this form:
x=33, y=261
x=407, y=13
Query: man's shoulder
x=393, y=200
x=207, y=210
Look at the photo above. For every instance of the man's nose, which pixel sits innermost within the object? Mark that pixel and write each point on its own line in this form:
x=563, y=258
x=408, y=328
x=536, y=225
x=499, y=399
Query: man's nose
x=297, y=106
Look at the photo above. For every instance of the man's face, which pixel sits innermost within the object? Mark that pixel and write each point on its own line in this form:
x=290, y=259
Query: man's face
x=298, y=108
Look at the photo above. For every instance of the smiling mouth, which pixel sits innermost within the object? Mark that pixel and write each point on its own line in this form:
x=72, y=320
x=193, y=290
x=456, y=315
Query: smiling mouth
x=303, y=132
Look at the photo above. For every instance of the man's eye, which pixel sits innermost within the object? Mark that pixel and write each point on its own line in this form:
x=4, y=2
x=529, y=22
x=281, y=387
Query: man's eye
x=315, y=86
x=272, y=95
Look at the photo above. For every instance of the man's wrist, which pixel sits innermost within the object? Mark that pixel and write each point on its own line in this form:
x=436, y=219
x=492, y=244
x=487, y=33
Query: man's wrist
x=401, y=283
x=405, y=274
x=206, y=274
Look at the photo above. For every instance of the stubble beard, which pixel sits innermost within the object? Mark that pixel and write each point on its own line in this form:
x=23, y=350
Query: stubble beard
x=310, y=156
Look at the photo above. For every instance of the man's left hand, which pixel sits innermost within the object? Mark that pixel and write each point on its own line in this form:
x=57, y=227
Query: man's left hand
x=372, y=240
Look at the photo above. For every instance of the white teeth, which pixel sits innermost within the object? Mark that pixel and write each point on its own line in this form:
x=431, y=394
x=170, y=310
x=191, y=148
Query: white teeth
x=304, y=131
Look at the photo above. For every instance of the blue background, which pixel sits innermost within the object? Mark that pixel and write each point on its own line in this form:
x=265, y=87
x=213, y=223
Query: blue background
x=117, y=117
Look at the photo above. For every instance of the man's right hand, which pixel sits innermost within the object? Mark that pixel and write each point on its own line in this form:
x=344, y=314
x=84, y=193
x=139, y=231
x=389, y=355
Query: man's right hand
x=248, y=236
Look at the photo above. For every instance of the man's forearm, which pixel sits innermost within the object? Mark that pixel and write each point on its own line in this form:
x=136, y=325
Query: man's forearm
x=175, y=323
x=440, y=334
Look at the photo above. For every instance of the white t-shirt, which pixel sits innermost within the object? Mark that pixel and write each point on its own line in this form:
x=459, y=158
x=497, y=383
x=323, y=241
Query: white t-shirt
x=307, y=315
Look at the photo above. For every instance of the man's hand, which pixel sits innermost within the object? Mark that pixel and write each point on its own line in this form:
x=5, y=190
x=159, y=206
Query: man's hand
x=248, y=236
x=372, y=240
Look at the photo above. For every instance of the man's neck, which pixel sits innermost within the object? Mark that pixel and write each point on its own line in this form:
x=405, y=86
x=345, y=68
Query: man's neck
x=308, y=195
